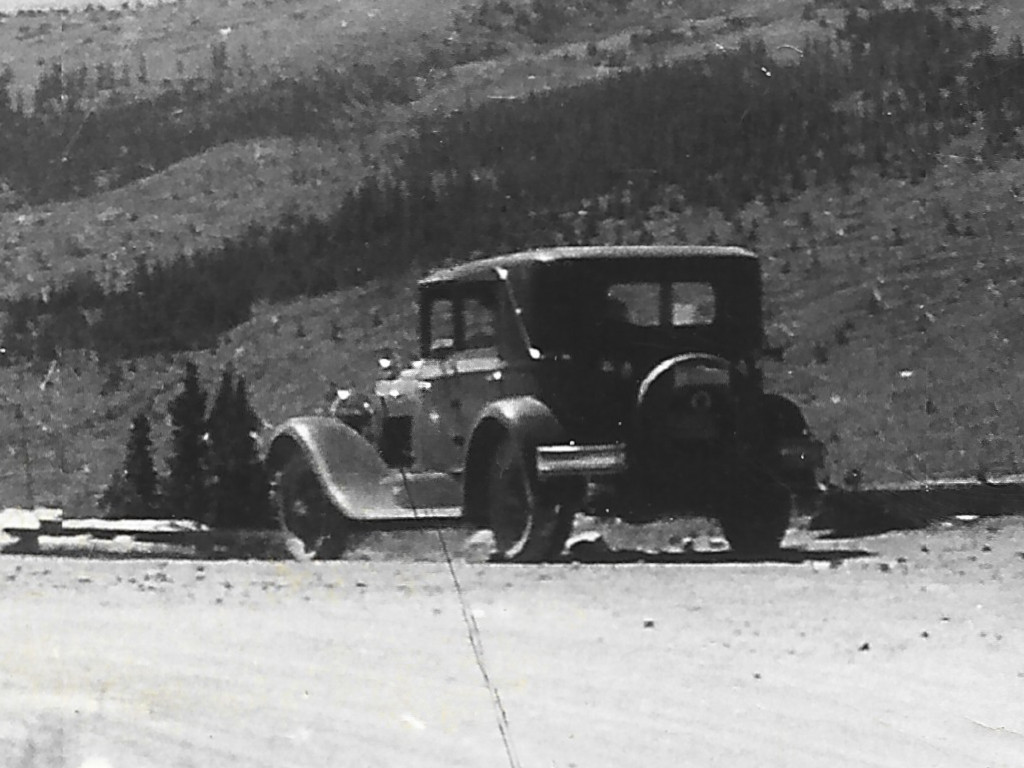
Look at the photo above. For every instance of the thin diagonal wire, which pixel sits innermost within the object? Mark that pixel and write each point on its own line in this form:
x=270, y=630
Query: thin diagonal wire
x=472, y=629
x=476, y=642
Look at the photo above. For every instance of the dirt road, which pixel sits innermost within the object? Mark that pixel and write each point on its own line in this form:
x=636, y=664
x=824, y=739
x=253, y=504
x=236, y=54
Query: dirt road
x=13, y=6
x=900, y=650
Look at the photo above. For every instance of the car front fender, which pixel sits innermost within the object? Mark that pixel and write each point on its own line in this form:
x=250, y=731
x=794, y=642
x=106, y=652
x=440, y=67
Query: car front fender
x=349, y=469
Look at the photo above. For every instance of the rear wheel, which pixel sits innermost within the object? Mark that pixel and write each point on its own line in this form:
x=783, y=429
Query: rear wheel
x=756, y=516
x=530, y=523
x=806, y=492
x=315, y=529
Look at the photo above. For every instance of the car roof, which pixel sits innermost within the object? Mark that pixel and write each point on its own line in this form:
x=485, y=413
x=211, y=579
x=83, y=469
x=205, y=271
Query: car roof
x=487, y=269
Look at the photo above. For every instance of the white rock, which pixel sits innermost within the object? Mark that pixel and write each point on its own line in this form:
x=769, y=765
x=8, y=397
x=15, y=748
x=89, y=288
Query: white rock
x=478, y=546
x=587, y=545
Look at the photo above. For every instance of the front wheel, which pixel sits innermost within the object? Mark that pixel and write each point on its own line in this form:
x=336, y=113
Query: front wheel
x=755, y=517
x=530, y=523
x=315, y=530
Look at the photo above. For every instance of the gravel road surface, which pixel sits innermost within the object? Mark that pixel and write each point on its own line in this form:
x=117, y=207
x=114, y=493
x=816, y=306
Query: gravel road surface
x=899, y=650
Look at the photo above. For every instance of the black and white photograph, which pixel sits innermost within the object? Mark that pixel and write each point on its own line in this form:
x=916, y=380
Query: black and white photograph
x=526, y=383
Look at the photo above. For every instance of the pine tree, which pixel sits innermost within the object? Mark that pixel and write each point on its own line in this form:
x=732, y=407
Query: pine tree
x=133, y=489
x=254, y=485
x=239, y=485
x=139, y=471
x=6, y=101
x=187, y=494
x=223, y=493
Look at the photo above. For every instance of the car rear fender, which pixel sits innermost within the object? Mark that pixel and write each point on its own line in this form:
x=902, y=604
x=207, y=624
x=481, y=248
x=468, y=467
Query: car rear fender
x=783, y=418
x=800, y=456
x=349, y=469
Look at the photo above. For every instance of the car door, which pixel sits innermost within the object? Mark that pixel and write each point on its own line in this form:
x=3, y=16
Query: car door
x=477, y=367
x=460, y=374
x=435, y=441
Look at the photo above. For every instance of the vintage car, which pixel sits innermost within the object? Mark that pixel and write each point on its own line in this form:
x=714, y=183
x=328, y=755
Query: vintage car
x=621, y=380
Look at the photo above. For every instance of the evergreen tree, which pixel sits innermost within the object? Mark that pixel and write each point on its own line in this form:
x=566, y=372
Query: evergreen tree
x=239, y=486
x=139, y=471
x=132, y=491
x=187, y=494
x=6, y=101
x=254, y=483
x=223, y=493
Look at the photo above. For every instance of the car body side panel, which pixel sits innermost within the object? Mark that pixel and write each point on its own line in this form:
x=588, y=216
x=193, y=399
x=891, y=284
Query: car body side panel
x=435, y=436
x=477, y=379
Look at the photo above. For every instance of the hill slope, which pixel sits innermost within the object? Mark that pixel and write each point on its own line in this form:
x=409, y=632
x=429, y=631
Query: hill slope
x=918, y=384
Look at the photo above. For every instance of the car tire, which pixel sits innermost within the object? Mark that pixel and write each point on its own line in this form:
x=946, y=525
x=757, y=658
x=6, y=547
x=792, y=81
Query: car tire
x=807, y=494
x=756, y=516
x=530, y=523
x=314, y=529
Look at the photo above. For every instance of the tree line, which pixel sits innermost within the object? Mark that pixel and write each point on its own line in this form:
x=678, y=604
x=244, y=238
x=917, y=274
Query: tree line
x=88, y=128
x=886, y=92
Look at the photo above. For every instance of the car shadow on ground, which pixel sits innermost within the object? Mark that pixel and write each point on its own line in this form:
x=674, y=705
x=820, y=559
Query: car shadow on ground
x=786, y=555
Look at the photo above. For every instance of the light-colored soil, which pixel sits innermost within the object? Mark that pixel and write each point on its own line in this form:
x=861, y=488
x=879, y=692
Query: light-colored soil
x=900, y=650
x=13, y=6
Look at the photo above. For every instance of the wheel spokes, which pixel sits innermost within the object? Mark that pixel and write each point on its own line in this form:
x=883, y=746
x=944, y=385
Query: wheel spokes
x=509, y=501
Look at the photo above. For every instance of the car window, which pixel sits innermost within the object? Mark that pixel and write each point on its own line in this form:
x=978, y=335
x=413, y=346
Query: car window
x=479, y=322
x=442, y=326
x=692, y=304
x=651, y=304
x=633, y=303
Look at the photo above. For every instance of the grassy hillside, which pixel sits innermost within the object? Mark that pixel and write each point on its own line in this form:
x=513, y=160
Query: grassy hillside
x=171, y=41
x=196, y=202
x=899, y=299
x=923, y=382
